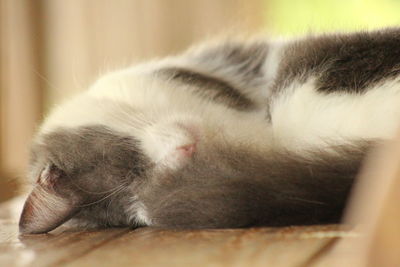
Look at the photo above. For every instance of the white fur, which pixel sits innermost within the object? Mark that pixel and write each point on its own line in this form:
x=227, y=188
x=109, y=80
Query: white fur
x=161, y=141
x=142, y=216
x=302, y=116
x=137, y=213
x=138, y=104
x=144, y=107
x=270, y=68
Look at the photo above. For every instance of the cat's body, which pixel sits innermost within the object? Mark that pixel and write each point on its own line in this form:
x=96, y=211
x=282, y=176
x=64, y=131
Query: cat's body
x=226, y=135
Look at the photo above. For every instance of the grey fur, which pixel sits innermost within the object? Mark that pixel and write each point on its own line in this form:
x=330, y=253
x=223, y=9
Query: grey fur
x=347, y=63
x=210, y=87
x=237, y=188
x=241, y=64
x=224, y=185
x=92, y=163
x=103, y=172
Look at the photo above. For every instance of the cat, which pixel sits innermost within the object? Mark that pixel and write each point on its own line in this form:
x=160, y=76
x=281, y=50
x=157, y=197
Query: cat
x=228, y=134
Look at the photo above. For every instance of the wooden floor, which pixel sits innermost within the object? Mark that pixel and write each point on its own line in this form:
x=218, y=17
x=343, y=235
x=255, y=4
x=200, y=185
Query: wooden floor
x=373, y=210
x=289, y=246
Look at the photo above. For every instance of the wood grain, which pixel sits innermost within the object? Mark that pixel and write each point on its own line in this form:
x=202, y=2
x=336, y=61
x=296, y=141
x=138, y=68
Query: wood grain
x=250, y=247
x=288, y=246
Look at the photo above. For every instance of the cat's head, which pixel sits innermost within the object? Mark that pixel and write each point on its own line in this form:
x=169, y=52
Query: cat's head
x=122, y=156
x=95, y=172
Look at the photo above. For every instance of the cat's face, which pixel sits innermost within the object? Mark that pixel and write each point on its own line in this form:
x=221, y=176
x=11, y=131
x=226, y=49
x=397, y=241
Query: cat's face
x=99, y=176
x=77, y=168
x=136, y=157
x=173, y=176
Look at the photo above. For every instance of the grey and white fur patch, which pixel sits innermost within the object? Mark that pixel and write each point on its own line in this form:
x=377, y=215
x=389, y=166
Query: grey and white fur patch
x=233, y=134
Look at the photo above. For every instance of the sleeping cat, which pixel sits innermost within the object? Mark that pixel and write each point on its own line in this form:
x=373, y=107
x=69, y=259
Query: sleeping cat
x=231, y=134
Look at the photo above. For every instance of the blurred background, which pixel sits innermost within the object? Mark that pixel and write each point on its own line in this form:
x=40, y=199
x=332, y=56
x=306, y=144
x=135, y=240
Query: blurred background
x=52, y=49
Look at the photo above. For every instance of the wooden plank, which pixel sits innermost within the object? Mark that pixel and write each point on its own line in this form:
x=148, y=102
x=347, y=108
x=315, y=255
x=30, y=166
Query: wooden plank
x=287, y=246
x=374, y=209
x=291, y=246
x=49, y=249
x=52, y=249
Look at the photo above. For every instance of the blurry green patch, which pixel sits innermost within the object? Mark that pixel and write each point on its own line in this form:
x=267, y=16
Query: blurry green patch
x=288, y=17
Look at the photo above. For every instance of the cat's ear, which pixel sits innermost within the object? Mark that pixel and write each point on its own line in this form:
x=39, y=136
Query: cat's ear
x=241, y=63
x=51, y=203
x=171, y=144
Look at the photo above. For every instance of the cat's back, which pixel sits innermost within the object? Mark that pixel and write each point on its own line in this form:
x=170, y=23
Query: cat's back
x=338, y=86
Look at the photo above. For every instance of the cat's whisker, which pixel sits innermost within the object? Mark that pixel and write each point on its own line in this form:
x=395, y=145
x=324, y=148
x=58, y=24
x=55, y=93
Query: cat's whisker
x=125, y=180
x=306, y=200
x=116, y=191
x=46, y=80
